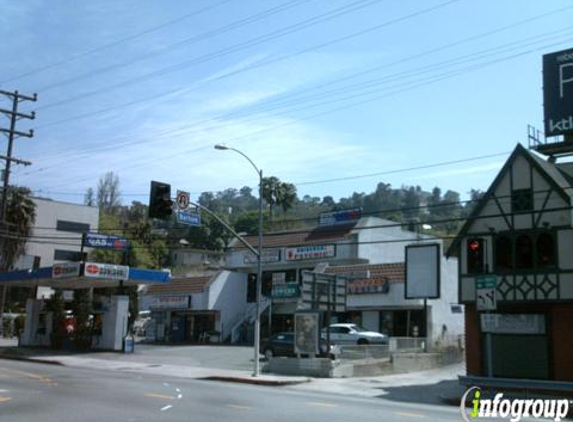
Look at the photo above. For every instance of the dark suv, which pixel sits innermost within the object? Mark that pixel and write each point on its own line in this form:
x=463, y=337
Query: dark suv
x=282, y=344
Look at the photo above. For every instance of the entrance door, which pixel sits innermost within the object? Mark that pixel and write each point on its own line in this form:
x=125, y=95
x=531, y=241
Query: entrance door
x=177, y=328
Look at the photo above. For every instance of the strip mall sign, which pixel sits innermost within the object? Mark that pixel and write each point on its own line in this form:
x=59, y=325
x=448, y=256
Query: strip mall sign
x=66, y=270
x=106, y=271
x=303, y=253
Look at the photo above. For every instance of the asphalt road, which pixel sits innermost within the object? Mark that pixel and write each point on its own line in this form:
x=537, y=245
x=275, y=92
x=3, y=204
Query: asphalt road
x=46, y=393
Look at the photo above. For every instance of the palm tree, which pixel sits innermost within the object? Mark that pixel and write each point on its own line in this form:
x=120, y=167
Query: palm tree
x=287, y=196
x=271, y=193
x=20, y=216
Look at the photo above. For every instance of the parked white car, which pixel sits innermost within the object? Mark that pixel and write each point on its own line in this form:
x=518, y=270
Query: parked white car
x=353, y=334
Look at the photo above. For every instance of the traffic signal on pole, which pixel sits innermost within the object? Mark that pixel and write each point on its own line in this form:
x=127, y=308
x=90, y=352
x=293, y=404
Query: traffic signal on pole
x=475, y=255
x=160, y=203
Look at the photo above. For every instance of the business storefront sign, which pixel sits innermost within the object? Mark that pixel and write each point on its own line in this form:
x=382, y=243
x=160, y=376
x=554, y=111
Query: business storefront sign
x=513, y=323
x=339, y=217
x=285, y=292
x=104, y=241
x=170, y=302
x=303, y=253
x=66, y=270
x=106, y=271
x=368, y=286
x=269, y=255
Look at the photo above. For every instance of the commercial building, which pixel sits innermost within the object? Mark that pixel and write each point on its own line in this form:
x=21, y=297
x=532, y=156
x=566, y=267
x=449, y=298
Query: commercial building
x=367, y=250
x=516, y=271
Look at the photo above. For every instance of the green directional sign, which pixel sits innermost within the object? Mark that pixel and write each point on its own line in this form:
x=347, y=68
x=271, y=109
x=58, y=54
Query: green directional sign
x=486, y=282
x=486, y=286
x=286, y=291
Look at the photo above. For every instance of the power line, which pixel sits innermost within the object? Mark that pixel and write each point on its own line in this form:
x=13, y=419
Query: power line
x=352, y=76
x=33, y=239
x=408, y=86
x=253, y=42
x=376, y=212
x=346, y=178
x=185, y=42
x=114, y=43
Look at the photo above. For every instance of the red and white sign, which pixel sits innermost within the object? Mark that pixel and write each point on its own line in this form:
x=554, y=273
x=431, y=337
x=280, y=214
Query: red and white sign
x=106, y=271
x=66, y=270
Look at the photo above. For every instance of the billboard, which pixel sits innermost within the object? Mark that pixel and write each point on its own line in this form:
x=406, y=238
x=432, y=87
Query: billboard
x=339, y=217
x=423, y=271
x=558, y=92
x=105, y=241
x=306, y=333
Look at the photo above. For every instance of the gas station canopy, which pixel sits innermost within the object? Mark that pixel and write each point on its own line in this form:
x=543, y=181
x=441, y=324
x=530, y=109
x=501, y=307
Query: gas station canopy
x=76, y=275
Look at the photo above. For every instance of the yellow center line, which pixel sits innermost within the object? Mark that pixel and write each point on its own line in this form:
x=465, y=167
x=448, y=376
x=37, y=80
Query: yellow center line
x=37, y=377
x=409, y=415
x=237, y=406
x=159, y=396
x=317, y=403
x=5, y=399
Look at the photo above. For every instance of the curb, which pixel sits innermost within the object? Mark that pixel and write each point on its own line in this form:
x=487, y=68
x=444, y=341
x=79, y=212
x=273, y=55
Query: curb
x=28, y=359
x=254, y=381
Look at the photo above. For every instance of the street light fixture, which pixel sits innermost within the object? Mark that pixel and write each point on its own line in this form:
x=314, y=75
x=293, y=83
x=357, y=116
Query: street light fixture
x=259, y=281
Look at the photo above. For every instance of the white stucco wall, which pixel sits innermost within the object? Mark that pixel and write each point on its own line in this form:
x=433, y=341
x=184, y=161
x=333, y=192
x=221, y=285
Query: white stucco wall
x=384, y=245
x=47, y=215
x=228, y=294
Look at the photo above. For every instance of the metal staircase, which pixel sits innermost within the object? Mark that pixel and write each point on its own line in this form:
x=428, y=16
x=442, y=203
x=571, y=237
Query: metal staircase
x=248, y=317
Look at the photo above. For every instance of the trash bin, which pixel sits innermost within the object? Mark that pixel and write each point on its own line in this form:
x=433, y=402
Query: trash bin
x=128, y=344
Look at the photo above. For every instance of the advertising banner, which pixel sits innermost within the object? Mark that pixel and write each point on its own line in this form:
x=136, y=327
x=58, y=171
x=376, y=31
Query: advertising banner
x=106, y=271
x=303, y=253
x=66, y=270
x=104, y=241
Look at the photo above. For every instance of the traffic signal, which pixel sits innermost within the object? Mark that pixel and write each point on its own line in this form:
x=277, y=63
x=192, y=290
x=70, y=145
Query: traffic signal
x=160, y=203
x=475, y=255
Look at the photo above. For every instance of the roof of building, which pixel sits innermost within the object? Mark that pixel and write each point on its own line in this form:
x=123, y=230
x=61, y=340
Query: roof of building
x=315, y=236
x=557, y=177
x=182, y=285
x=394, y=273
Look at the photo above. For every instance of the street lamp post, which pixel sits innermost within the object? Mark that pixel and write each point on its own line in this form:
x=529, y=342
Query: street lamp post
x=259, y=259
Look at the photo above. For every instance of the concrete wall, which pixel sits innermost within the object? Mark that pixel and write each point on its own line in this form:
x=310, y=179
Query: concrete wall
x=114, y=324
x=228, y=294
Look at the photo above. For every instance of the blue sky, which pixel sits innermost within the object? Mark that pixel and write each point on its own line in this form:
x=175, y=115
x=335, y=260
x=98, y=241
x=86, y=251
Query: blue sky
x=310, y=90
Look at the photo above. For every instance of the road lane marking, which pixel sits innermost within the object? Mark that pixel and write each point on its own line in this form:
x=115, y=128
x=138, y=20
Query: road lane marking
x=322, y=404
x=409, y=415
x=40, y=378
x=237, y=406
x=5, y=399
x=159, y=396
x=163, y=409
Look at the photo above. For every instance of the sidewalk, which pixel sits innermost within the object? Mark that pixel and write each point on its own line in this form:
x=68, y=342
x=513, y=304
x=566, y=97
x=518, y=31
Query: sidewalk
x=430, y=387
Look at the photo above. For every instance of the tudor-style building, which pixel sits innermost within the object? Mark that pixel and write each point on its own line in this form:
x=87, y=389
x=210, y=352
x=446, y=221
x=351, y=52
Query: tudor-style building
x=516, y=272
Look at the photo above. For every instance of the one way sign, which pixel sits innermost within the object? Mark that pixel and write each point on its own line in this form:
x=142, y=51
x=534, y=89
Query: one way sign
x=486, y=286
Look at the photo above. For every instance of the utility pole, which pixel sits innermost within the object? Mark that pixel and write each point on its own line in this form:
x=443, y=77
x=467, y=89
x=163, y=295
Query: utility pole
x=12, y=134
x=13, y=115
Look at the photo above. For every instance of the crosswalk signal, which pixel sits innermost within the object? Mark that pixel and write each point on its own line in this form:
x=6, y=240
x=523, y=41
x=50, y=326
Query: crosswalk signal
x=160, y=203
